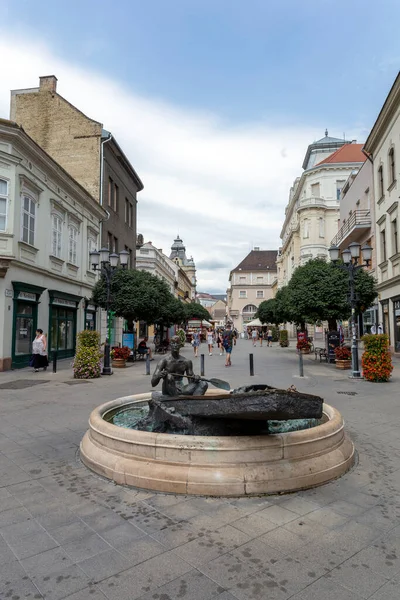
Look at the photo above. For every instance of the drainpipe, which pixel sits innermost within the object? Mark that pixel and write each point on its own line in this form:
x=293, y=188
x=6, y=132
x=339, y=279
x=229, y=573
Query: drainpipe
x=367, y=155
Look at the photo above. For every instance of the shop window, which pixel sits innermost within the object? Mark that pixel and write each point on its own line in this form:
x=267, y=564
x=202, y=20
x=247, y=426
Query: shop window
x=3, y=204
x=62, y=329
x=56, y=235
x=28, y=220
x=24, y=328
x=72, y=244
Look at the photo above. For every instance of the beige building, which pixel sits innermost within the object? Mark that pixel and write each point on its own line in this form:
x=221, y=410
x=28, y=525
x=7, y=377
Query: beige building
x=218, y=313
x=383, y=147
x=357, y=224
x=251, y=282
x=313, y=211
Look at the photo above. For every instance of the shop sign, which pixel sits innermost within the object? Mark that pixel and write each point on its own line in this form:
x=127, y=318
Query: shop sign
x=8, y=293
x=91, y=307
x=62, y=302
x=89, y=317
x=396, y=306
x=27, y=296
x=385, y=308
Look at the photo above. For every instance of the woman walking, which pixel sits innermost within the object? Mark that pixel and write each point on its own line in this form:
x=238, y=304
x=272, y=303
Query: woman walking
x=254, y=336
x=196, y=342
x=39, y=352
x=210, y=341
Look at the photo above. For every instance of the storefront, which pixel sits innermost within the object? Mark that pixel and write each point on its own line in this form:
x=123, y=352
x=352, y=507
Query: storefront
x=385, y=317
x=396, y=323
x=63, y=310
x=25, y=317
x=90, y=316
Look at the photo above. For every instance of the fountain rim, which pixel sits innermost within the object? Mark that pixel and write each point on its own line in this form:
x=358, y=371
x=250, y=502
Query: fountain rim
x=97, y=423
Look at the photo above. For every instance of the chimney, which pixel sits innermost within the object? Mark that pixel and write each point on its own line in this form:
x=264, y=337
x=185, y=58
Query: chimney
x=48, y=83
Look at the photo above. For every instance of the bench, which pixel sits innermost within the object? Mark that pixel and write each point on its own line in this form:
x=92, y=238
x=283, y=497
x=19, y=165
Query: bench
x=141, y=354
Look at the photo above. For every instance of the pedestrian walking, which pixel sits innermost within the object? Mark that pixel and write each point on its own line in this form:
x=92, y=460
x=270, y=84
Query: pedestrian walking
x=220, y=343
x=227, y=342
x=196, y=342
x=269, y=337
x=210, y=341
x=39, y=358
x=254, y=336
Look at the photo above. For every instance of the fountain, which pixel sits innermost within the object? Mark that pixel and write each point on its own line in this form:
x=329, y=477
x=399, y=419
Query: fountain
x=254, y=440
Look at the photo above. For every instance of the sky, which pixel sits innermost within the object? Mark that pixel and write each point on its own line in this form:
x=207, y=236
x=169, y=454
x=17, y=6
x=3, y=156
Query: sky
x=213, y=101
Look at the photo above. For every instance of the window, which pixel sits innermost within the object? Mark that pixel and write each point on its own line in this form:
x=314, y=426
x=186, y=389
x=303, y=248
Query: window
x=129, y=265
x=306, y=228
x=394, y=236
x=110, y=191
x=72, y=244
x=321, y=223
x=92, y=247
x=315, y=190
x=3, y=204
x=242, y=278
x=56, y=235
x=250, y=309
x=339, y=186
x=260, y=294
x=28, y=220
x=242, y=294
x=115, y=245
x=260, y=279
x=381, y=192
x=383, y=244
x=128, y=213
x=116, y=196
x=110, y=240
x=392, y=166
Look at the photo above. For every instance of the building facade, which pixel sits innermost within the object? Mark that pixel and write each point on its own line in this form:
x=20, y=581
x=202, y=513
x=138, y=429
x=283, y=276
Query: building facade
x=383, y=148
x=251, y=282
x=46, y=222
x=186, y=288
x=357, y=224
x=93, y=157
x=154, y=261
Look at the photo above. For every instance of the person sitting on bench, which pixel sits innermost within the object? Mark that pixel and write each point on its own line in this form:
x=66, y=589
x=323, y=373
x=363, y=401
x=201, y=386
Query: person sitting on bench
x=144, y=349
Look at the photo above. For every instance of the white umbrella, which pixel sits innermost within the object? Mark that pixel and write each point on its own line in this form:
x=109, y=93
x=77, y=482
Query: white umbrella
x=206, y=324
x=254, y=323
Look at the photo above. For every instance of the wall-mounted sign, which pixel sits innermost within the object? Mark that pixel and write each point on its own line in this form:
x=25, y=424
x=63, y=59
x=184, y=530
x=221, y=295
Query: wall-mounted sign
x=27, y=296
x=91, y=307
x=62, y=302
x=8, y=293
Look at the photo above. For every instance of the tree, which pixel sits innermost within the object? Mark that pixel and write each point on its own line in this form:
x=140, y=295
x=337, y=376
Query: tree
x=135, y=295
x=196, y=311
x=266, y=311
x=172, y=313
x=319, y=291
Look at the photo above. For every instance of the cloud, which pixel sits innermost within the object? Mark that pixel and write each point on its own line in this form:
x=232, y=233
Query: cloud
x=221, y=186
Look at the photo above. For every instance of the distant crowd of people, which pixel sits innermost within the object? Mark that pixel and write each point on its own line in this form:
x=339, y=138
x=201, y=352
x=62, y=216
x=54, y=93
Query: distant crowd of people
x=224, y=339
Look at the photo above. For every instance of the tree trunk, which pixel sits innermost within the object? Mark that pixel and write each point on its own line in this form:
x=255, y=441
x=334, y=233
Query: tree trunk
x=332, y=325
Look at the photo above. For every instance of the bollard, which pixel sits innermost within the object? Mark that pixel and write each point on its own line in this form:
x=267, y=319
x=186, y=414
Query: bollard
x=301, y=369
x=202, y=365
x=251, y=357
x=148, y=364
x=55, y=361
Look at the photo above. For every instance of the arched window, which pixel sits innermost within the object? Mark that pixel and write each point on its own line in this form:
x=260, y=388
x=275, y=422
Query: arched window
x=248, y=312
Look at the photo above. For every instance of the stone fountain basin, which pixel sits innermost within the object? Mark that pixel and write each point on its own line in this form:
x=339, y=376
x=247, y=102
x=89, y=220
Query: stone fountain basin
x=216, y=465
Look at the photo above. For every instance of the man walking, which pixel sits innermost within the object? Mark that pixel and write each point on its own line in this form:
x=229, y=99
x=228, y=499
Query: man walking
x=227, y=342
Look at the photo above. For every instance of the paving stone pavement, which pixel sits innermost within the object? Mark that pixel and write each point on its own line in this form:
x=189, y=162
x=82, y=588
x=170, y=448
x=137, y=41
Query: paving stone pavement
x=67, y=533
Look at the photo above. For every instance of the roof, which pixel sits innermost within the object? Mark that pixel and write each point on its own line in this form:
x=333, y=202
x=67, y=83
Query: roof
x=121, y=156
x=350, y=153
x=258, y=260
x=384, y=118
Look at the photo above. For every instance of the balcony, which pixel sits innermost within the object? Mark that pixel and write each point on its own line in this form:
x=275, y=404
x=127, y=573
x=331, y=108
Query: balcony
x=358, y=223
x=317, y=202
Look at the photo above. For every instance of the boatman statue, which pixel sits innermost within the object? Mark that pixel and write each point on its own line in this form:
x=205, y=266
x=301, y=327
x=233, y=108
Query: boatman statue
x=172, y=369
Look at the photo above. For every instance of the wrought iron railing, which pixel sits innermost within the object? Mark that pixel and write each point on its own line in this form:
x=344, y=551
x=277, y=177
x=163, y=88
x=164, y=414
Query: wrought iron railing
x=359, y=218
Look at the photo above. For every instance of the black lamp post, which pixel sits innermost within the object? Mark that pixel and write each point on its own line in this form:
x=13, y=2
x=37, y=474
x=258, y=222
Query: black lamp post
x=350, y=258
x=107, y=264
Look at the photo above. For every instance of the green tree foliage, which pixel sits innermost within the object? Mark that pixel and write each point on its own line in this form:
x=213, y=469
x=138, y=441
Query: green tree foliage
x=172, y=313
x=196, y=311
x=266, y=311
x=319, y=291
x=135, y=296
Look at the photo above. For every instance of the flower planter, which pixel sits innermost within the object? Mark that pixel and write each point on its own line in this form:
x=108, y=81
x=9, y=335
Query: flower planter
x=305, y=351
x=118, y=363
x=343, y=364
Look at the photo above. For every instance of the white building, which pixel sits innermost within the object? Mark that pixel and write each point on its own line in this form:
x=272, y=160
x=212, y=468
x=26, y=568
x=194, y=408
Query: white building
x=383, y=148
x=48, y=224
x=312, y=213
x=154, y=261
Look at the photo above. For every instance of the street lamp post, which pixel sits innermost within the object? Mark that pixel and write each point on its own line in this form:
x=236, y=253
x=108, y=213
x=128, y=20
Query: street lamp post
x=350, y=258
x=107, y=264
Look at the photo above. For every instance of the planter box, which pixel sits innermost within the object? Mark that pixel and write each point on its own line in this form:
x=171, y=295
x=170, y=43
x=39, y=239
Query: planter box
x=343, y=364
x=304, y=351
x=118, y=363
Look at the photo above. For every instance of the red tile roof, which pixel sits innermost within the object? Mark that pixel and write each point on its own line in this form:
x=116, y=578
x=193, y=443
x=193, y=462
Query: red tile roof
x=349, y=153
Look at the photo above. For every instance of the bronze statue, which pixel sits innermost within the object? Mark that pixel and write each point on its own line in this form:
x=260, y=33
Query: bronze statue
x=172, y=369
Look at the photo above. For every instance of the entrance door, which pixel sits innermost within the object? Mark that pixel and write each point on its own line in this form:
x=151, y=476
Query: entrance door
x=24, y=332
x=63, y=328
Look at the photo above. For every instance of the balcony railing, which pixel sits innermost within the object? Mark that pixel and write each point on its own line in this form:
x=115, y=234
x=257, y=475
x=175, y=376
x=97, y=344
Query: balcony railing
x=360, y=219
